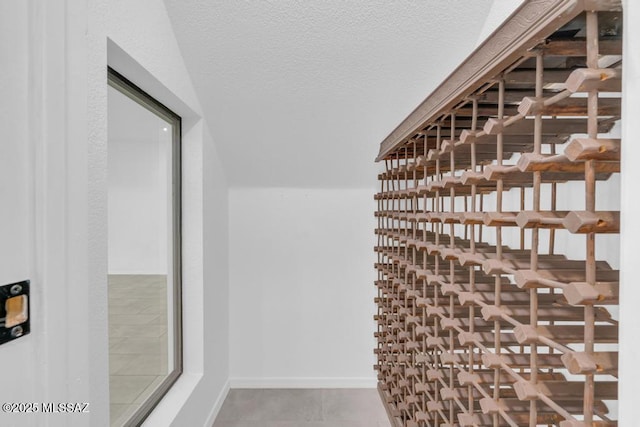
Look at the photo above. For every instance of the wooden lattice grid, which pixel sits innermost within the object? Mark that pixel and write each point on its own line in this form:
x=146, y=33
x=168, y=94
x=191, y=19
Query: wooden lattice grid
x=471, y=330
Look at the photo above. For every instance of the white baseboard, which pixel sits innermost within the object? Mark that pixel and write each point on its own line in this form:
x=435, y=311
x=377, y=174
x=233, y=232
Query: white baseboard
x=216, y=407
x=304, y=382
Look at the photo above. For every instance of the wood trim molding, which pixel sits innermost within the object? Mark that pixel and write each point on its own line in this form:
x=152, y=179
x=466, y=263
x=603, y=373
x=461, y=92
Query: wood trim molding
x=530, y=24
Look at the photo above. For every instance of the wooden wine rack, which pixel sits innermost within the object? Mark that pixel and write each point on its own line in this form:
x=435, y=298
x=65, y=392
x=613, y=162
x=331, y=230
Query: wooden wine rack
x=481, y=322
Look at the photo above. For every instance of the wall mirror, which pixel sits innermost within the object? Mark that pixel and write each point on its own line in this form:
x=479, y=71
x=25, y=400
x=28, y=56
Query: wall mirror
x=145, y=340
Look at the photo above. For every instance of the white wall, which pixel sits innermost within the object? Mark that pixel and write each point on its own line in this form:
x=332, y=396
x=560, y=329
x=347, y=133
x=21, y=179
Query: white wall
x=139, y=188
x=55, y=228
x=302, y=296
x=301, y=205
x=498, y=13
x=143, y=48
x=16, y=245
x=630, y=227
x=54, y=217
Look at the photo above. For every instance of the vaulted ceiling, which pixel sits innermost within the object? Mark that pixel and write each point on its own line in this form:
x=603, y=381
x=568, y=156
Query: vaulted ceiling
x=300, y=93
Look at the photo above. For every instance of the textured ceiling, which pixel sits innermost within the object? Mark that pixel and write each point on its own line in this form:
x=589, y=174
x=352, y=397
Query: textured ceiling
x=300, y=93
